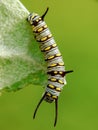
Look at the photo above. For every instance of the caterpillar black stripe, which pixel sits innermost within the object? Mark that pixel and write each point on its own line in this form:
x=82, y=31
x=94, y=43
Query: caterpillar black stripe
x=55, y=64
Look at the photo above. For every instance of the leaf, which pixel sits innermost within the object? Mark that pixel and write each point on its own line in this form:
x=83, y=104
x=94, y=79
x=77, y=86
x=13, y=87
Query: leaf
x=21, y=62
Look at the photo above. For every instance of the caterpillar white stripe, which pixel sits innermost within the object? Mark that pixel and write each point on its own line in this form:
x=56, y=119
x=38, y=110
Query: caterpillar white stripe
x=55, y=64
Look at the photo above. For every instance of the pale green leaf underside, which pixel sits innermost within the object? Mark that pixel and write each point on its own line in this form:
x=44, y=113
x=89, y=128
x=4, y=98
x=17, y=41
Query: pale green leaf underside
x=21, y=62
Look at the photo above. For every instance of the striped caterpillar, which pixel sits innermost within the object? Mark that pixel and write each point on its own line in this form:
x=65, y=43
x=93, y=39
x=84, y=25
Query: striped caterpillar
x=55, y=64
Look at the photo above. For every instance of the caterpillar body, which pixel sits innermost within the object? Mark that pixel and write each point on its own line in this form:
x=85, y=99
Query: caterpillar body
x=55, y=64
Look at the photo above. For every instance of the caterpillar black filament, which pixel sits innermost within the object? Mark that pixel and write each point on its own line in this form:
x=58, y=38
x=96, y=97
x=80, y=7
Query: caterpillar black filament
x=55, y=64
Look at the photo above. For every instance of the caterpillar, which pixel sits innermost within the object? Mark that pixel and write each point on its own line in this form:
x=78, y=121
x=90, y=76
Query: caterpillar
x=55, y=64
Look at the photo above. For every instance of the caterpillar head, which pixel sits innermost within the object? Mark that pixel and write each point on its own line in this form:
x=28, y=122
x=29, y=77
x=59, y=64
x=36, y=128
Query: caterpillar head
x=49, y=99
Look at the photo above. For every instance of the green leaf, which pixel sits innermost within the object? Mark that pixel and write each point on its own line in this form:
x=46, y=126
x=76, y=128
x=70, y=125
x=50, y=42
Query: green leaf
x=21, y=62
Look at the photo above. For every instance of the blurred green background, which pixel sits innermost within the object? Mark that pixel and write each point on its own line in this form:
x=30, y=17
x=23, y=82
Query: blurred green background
x=74, y=25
